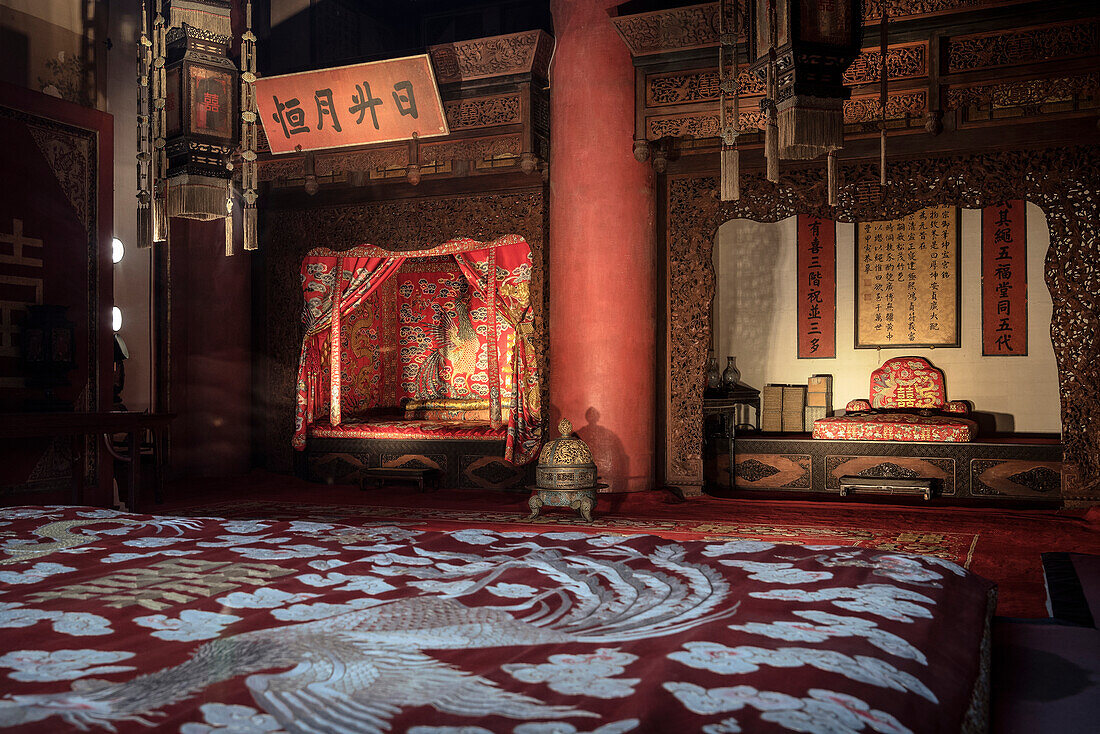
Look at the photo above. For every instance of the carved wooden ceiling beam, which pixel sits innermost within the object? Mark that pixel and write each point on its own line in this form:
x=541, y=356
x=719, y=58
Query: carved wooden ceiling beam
x=1029, y=67
x=696, y=26
x=527, y=53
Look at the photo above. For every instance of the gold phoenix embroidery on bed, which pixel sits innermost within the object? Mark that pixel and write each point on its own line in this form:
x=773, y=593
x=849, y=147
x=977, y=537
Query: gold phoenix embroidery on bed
x=446, y=404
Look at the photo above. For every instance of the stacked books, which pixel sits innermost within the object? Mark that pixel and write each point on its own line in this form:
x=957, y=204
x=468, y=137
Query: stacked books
x=794, y=404
x=819, y=398
x=771, y=414
x=794, y=408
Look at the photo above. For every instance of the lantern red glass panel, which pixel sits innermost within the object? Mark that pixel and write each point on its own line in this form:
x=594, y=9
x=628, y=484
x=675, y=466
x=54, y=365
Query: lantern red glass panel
x=201, y=119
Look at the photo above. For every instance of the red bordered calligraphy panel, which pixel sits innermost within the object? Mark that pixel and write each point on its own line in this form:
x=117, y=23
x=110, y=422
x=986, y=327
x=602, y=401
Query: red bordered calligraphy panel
x=816, y=288
x=1004, y=280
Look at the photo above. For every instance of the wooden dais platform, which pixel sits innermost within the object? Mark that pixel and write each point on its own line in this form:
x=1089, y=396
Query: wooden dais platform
x=1003, y=469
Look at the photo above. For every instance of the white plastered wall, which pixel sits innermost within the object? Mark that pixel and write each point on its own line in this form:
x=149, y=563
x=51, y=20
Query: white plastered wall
x=754, y=317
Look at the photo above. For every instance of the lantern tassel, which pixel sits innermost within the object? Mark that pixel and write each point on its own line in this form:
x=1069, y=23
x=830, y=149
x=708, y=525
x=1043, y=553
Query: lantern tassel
x=729, y=129
x=882, y=158
x=144, y=226
x=731, y=173
x=198, y=197
x=806, y=131
x=771, y=148
x=251, y=234
x=771, y=131
x=160, y=213
x=832, y=178
x=229, y=249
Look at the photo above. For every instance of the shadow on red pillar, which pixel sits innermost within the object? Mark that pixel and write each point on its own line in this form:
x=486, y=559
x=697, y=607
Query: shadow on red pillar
x=602, y=250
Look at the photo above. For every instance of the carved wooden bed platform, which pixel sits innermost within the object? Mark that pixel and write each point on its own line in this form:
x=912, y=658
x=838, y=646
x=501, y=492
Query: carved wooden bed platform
x=1006, y=469
x=419, y=359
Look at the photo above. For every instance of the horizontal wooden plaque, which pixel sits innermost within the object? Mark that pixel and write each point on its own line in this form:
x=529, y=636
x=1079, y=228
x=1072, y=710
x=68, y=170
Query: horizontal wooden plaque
x=376, y=102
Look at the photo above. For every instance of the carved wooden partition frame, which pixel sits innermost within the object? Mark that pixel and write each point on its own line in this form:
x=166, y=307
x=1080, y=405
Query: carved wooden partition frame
x=1064, y=182
x=402, y=224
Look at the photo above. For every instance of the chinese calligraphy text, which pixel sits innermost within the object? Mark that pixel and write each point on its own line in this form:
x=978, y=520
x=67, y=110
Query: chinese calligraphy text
x=1004, y=280
x=907, y=280
x=816, y=288
x=360, y=104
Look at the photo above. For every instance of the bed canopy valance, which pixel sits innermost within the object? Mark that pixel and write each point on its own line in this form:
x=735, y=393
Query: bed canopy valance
x=452, y=322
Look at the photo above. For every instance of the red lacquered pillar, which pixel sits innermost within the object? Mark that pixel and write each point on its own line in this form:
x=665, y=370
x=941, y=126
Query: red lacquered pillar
x=602, y=250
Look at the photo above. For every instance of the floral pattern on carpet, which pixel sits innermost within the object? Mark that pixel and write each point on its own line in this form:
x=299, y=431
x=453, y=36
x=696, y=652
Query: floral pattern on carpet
x=127, y=622
x=956, y=547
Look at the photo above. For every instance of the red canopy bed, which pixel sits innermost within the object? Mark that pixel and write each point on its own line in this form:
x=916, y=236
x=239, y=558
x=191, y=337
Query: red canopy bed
x=419, y=346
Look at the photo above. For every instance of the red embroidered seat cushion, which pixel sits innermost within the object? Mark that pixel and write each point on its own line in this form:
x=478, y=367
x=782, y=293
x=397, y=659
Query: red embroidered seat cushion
x=411, y=429
x=907, y=382
x=902, y=383
x=895, y=427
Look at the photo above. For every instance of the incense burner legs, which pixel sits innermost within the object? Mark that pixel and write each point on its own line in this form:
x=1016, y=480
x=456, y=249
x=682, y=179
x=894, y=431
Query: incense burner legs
x=581, y=500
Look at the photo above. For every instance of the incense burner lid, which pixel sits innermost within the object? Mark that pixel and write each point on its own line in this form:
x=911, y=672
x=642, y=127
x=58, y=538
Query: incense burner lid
x=566, y=462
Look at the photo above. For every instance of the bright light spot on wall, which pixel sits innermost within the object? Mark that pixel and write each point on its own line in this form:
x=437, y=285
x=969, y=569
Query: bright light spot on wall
x=117, y=250
x=116, y=318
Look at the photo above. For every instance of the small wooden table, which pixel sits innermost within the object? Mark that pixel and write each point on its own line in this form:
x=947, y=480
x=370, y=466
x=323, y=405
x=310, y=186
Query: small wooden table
x=383, y=474
x=725, y=406
x=79, y=425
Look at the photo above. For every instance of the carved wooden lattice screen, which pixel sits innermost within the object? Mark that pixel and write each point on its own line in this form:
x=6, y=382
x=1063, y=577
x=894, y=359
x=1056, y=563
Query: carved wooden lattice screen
x=1064, y=182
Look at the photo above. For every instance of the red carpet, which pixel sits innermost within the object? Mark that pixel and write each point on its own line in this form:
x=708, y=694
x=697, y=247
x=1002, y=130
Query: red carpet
x=1002, y=545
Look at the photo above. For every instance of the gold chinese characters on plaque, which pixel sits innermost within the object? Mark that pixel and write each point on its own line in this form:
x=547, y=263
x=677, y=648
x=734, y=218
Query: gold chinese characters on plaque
x=907, y=280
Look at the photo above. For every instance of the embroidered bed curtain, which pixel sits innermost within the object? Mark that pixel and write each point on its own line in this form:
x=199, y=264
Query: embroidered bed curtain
x=335, y=284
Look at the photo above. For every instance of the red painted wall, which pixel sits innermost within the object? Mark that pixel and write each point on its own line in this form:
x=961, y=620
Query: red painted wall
x=602, y=250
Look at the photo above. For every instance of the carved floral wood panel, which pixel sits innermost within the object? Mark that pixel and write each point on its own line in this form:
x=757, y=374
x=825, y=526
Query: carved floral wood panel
x=900, y=105
x=1064, y=182
x=903, y=61
x=480, y=58
x=1068, y=40
x=696, y=26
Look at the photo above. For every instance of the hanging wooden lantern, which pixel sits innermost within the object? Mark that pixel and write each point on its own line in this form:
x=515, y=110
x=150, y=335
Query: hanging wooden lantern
x=195, y=127
x=805, y=46
x=200, y=111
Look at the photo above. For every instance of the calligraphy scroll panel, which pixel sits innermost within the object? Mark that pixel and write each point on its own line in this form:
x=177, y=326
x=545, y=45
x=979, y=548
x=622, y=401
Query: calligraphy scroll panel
x=907, y=280
x=376, y=102
x=816, y=288
x=1004, y=280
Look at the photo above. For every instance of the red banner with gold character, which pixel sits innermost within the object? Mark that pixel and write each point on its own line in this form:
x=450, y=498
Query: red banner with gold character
x=816, y=288
x=1004, y=280
x=376, y=102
